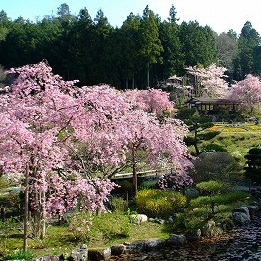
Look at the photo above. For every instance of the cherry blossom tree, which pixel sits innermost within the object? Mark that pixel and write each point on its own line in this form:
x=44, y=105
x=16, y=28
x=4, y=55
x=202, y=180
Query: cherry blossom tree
x=209, y=81
x=40, y=120
x=62, y=143
x=150, y=100
x=146, y=135
x=248, y=92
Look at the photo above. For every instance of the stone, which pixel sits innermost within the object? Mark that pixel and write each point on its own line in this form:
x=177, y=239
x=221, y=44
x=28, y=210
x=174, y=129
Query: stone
x=154, y=243
x=193, y=235
x=139, y=218
x=98, y=254
x=253, y=210
x=240, y=218
x=118, y=249
x=160, y=221
x=211, y=230
x=243, y=210
x=46, y=258
x=136, y=246
x=79, y=254
x=176, y=239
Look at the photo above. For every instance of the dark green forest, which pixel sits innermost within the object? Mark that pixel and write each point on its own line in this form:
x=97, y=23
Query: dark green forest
x=142, y=52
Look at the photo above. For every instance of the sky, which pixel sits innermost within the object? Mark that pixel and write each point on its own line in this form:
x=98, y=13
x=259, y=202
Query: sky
x=220, y=15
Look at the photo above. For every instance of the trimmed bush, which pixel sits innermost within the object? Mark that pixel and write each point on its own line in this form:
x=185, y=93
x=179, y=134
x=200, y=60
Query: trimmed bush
x=210, y=187
x=208, y=135
x=213, y=147
x=159, y=203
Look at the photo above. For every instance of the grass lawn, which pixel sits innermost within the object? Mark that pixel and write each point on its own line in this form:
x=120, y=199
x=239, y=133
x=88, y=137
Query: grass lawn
x=59, y=239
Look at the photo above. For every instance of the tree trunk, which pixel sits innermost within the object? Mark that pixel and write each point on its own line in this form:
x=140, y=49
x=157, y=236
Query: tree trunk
x=43, y=221
x=195, y=142
x=134, y=173
x=26, y=203
x=148, y=76
x=126, y=83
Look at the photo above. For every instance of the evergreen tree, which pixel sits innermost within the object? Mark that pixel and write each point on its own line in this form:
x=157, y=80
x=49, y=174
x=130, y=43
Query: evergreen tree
x=130, y=45
x=248, y=40
x=198, y=44
x=151, y=45
x=172, y=52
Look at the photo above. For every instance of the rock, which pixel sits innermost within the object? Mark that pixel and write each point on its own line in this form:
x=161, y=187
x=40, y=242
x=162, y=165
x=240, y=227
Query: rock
x=243, y=210
x=256, y=192
x=253, y=210
x=46, y=258
x=160, y=221
x=211, y=230
x=154, y=243
x=79, y=254
x=193, y=235
x=139, y=218
x=136, y=246
x=117, y=250
x=240, y=218
x=175, y=239
x=170, y=220
x=99, y=254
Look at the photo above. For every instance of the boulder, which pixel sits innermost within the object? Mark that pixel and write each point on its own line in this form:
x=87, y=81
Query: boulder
x=243, y=210
x=154, y=243
x=118, y=249
x=193, y=235
x=136, y=246
x=175, y=239
x=240, y=218
x=46, y=258
x=79, y=254
x=139, y=218
x=99, y=254
x=211, y=230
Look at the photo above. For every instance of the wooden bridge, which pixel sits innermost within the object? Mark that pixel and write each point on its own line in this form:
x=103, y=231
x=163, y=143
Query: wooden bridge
x=143, y=174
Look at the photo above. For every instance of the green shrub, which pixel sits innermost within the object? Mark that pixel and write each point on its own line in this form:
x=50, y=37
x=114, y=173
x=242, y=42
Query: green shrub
x=159, y=203
x=213, y=147
x=190, y=220
x=118, y=204
x=148, y=184
x=18, y=255
x=216, y=201
x=231, y=197
x=195, y=222
x=208, y=135
x=210, y=187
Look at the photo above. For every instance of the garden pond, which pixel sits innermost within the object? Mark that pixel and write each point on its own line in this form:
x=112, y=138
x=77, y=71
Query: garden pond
x=241, y=243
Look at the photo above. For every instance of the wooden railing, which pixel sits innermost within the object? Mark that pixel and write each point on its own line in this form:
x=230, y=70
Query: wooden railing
x=146, y=173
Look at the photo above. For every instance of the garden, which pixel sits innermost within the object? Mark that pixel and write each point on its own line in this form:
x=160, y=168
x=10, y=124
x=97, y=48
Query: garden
x=62, y=144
